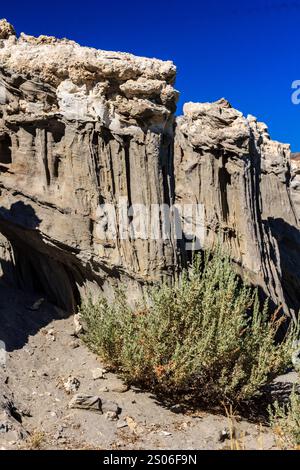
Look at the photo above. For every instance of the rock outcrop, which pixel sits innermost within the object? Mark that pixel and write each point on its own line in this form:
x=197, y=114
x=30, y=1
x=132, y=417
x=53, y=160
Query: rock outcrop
x=82, y=130
x=229, y=164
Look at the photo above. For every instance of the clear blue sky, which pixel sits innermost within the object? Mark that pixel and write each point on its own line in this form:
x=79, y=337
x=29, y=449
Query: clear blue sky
x=248, y=52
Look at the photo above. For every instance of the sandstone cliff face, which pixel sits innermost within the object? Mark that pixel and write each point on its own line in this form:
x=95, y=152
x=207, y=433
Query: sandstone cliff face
x=80, y=128
x=229, y=164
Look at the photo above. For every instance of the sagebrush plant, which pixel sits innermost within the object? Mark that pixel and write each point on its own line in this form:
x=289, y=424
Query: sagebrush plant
x=206, y=336
x=285, y=421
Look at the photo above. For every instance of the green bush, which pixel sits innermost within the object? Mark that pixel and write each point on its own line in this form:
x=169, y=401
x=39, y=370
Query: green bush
x=285, y=421
x=205, y=337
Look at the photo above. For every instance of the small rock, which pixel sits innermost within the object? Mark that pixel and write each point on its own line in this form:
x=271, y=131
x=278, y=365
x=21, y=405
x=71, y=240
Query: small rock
x=134, y=426
x=98, y=373
x=94, y=403
x=177, y=408
x=74, y=344
x=72, y=385
x=165, y=433
x=86, y=402
x=26, y=412
x=119, y=388
x=111, y=416
x=78, y=327
x=42, y=373
x=108, y=405
x=51, y=334
x=122, y=424
x=103, y=390
x=76, y=426
x=224, y=434
x=22, y=434
x=5, y=426
x=28, y=351
x=58, y=434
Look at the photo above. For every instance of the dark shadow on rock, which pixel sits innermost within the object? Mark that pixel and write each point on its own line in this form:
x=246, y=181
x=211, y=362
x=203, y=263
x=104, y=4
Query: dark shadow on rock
x=20, y=214
x=33, y=270
x=20, y=319
x=38, y=267
x=25, y=300
x=288, y=240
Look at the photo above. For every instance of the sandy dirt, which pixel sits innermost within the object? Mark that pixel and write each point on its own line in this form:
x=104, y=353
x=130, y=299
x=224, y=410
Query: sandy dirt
x=42, y=354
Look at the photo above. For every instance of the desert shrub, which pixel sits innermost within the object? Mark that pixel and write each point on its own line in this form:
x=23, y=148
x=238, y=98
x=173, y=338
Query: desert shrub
x=206, y=337
x=285, y=421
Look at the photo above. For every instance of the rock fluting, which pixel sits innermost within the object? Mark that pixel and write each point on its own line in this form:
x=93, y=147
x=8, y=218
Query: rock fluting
x=229, y=164
x=82, y=128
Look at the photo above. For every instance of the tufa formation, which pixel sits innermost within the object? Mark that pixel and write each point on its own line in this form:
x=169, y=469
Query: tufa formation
x=81, y=128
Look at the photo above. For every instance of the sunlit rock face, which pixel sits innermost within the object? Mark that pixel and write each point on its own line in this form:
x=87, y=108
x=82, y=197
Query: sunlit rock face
x=83, y=129
x=229, y=164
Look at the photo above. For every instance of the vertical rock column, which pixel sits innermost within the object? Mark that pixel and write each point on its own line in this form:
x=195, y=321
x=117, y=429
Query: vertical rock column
x=82, y=130
x=229, y=164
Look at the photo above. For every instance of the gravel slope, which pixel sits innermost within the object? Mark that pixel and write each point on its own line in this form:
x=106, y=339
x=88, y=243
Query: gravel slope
x=42, y=354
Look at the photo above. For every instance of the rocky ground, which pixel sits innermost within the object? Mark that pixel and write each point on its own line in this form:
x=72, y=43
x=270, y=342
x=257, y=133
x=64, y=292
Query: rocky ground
x=38, y=382
x=80, y=126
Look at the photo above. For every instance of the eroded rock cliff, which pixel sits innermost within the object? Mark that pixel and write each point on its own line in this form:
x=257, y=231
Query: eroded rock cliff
x=82, y=128
x=229, y=164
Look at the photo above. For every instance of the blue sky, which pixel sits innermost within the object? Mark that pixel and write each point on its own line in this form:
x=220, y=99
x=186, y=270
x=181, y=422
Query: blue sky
x=248, y=52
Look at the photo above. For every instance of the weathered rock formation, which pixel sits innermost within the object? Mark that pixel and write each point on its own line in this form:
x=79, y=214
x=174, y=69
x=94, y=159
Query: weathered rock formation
x=229, y=164
x=80, y=128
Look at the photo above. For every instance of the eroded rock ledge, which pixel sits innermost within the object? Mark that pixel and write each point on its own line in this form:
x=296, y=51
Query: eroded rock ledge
x=81, y=127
